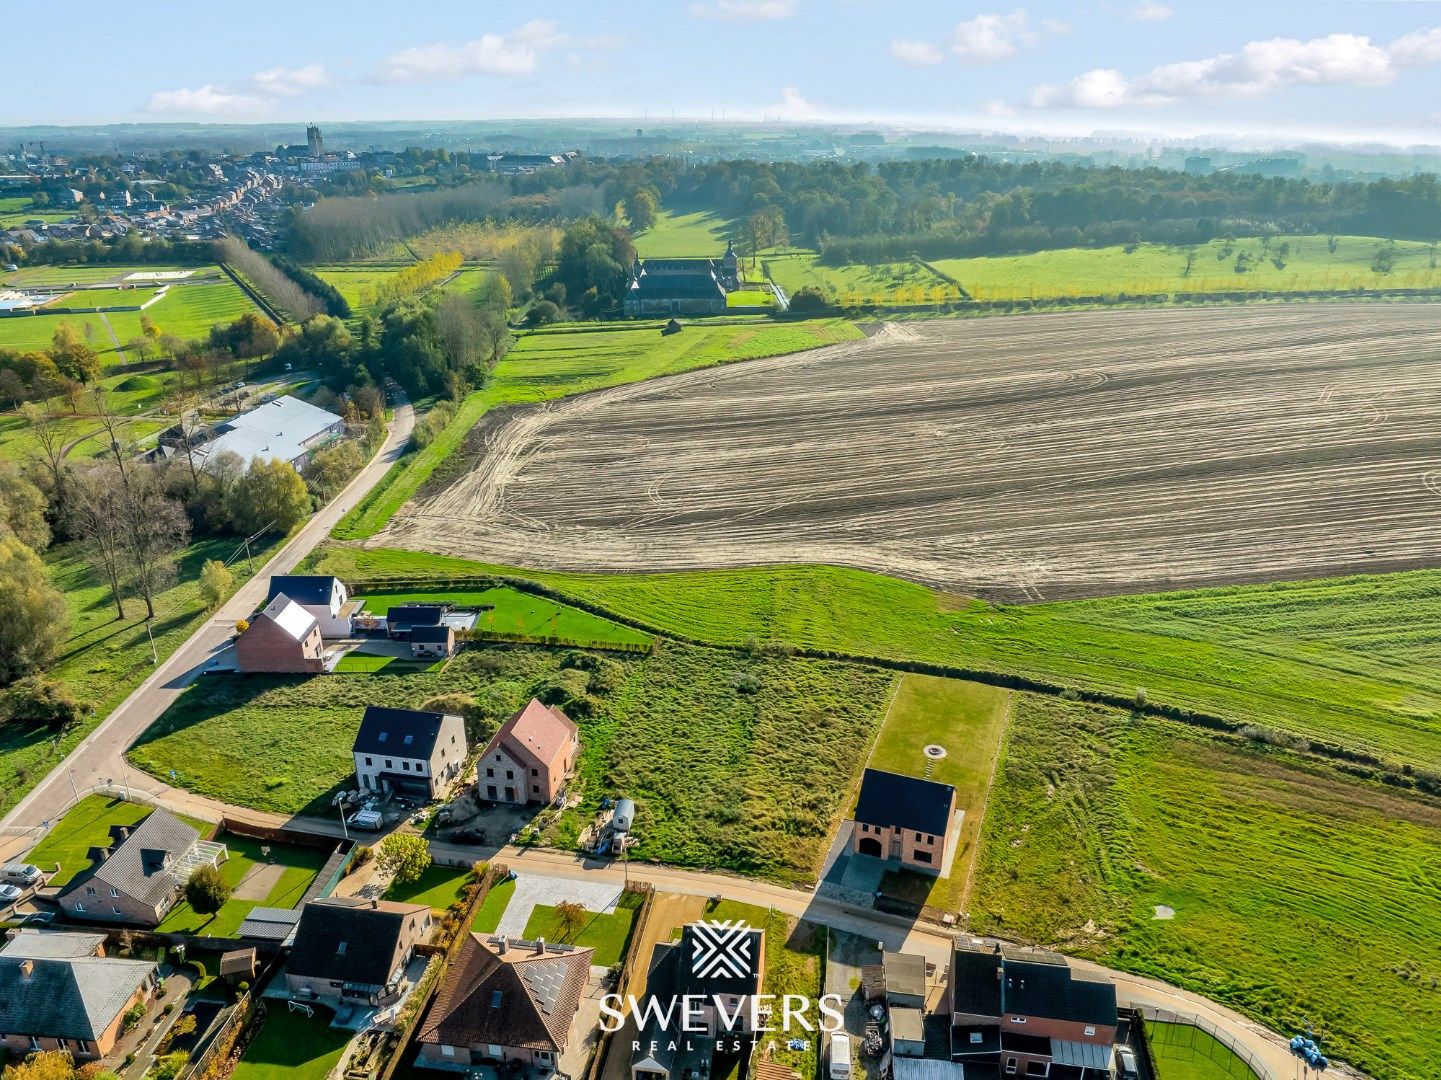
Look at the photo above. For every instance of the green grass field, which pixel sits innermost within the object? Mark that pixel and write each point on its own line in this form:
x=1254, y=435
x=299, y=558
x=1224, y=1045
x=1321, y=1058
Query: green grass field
x=1159, y=268
x=1355, y=661
x=1298, y=896
x=751, y=298
x=1184, y=1052
x=103, y=298
x=438, y=888
x=87, y=825
x=735, y=761
x=372, y=664
x=548, y=364
x=292, y=1046
x=879, y=283
x=187, y=311
x=679, y=236
x=509, y=611
x=16, y=210
x=355, y=283
x=105, y=658
x=246, y=871
x=607, y=934
x=492, y=908
x=967, y=719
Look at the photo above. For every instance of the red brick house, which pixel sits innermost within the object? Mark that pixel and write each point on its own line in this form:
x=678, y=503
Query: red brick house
x=529, y=758
x=283, y=637
x=75, y=1003
x=903, y=818
x=505, y=1002
x=1027, y=1013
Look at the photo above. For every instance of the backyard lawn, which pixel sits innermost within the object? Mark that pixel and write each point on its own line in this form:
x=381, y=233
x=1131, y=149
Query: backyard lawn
x=373, y=664
x=492, y=908
x=700, y=235
x=88, y=826
x=967, y=720
x=607, y=934
x=438, y=888
x=1183, y=1052
x=509, y=611
x=292, y=1046
x=256, y=880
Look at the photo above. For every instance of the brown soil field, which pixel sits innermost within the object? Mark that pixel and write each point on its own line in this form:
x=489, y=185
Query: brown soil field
x=1021, y=458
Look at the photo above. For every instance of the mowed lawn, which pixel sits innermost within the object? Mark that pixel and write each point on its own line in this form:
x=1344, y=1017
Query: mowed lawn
x=504, y=610
x=292, y=1046
x=967, y=720
x=1298, y=896
x=278, y=879
x=88, y=826
x=492, y=908
x=700, y=235
x=438, y=888
x=1183, y=1052
x=1354, y=660
x=904, y=282
x=356, y=284
x=557, y=362
x=1308, y=265
x=607, y=934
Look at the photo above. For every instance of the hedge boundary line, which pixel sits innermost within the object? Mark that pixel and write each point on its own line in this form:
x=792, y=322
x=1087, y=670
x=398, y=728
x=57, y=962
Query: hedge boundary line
x=1359, y=763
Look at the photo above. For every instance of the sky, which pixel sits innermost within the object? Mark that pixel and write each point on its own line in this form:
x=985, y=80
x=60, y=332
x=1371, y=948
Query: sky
x=1349, y=71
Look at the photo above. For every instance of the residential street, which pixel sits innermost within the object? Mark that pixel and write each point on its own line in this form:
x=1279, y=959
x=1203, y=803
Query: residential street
x=99, y=757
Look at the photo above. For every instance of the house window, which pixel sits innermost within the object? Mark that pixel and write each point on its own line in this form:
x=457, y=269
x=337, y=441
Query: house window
x=405, y=766
x=509, y=774
x=920, y=837
x=79, y=906
x=382, y=736
x=114, y=891
x=490, y=772
x=535, y=788
x=34, y=1042
x=389, y=764
x=1036, y=1068
x=1018, y=1019
x=447, y=1051
x=409, y=739
x=1010, y=1066
x=1090, y=1030
x=115, y=911
x=922, y=856
x=340, y=949
x=534, y=772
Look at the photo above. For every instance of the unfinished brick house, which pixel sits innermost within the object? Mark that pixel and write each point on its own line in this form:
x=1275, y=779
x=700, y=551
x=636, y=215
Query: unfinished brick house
x=903, y=818
x=530, y=757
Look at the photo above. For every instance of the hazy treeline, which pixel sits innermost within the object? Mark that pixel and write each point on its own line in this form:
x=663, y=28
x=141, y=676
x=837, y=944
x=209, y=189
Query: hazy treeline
x=346, y=228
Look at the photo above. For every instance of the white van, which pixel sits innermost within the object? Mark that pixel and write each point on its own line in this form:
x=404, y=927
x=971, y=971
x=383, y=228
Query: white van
x=840, y=1056
x=23, y=874
x=1126, y=1064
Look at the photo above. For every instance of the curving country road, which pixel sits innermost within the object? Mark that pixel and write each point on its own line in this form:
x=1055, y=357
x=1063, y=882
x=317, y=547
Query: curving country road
x=99, y=756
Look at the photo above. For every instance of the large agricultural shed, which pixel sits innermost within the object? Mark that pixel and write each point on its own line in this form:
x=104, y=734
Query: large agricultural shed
x=286, y=428
x=1030, y=457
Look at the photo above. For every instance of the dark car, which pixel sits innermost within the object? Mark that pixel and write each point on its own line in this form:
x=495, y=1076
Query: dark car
x=468, y=836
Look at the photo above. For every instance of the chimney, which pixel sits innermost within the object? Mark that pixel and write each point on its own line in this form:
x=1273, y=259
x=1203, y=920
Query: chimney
x=104, y=854
x=540, y=945
x=122, y=833
x=374, y=903
x=502, y=945
x=27, y=969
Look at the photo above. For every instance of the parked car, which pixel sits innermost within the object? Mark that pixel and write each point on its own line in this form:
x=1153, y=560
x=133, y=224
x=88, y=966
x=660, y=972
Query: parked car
x=38, y=918
x=468, y=836
x=840, y=1054
x=26, y=875
x=1126, y=1064
x=9, y=894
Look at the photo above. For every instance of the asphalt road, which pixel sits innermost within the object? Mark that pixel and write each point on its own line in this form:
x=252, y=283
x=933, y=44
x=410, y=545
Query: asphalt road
x=100, y=756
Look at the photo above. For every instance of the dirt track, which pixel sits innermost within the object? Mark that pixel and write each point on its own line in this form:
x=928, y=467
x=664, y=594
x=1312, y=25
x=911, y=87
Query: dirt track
x=1026, y=458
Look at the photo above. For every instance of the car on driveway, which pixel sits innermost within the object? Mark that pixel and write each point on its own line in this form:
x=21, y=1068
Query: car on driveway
x=9, y=894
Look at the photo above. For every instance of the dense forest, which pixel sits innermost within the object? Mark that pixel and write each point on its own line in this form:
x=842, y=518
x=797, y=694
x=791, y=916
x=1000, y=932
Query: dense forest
x=933, y=208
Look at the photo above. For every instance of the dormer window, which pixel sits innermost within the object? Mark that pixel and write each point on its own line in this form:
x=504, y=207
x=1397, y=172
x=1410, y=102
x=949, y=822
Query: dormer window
x=340, y=949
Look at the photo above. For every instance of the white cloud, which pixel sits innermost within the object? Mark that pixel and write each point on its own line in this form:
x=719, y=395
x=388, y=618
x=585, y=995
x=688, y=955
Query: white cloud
x=1417, y=48
x=793, y=106
x=207, y=100
x=515, y=54
x=917, y=53
x=745, y=10
x=989, y=38
x=985, y=39
x=1259, y=68
x=290, y=82
x=1151, y=11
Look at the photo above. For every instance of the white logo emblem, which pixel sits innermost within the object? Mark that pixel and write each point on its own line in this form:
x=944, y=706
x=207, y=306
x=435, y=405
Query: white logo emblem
x=721, y=949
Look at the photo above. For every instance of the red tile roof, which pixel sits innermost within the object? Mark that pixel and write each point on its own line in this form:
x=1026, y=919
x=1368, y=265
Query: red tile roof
x=537, y=734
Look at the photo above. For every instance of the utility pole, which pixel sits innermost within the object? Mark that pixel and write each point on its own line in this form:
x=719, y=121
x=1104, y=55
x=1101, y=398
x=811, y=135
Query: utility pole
x=154, y=657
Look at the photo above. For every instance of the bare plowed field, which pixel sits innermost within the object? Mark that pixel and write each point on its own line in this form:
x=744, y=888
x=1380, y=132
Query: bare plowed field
x=1025, y=458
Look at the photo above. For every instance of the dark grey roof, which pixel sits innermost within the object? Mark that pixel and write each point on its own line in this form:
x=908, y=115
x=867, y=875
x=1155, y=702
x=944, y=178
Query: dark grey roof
x=1042, y=984
x=142, y=866
x=415, y=615
x=355, y=941
x=905, y=802
x=407, y=733
x=976, y=980
x=681, y=286
x=697, y=939
x=268, y=924
x=905, y=973
x=302, y=588
x=74, y=998
x=425, y=634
